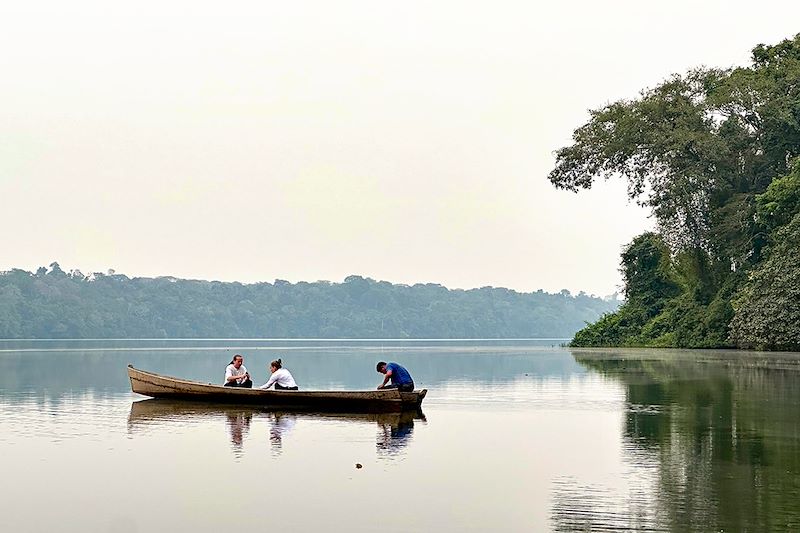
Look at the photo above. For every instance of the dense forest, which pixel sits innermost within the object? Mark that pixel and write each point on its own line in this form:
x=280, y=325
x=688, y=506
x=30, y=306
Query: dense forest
x=714, y=154
x=52, y=303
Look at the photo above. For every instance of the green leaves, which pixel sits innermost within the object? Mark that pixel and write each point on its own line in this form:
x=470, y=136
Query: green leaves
x=646, y=272
x=709, y=151
x=781, y=202
x=768, y=306
x=689, y=145
x=54, y=304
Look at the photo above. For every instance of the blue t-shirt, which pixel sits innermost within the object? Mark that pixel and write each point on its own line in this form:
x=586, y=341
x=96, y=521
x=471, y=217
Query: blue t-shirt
x=400, y=375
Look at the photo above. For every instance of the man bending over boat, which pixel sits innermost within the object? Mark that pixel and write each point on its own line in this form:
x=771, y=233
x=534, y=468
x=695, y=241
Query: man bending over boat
x=281, y=378
x=400, y=377
x=236, y=374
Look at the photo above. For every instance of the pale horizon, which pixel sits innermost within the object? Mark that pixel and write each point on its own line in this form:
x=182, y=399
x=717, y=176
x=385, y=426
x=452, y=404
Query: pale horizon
x=312, y=141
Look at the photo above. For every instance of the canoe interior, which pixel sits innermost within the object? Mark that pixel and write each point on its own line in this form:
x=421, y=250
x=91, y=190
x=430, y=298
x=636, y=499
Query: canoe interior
x=158, y=386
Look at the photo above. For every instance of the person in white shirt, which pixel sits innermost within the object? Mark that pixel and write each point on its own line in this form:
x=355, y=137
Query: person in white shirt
x=281, y=378
x=236, y=374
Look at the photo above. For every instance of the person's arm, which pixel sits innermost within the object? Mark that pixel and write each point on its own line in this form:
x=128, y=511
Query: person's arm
x=272, y=379
x=385, y=379
x=230, y=376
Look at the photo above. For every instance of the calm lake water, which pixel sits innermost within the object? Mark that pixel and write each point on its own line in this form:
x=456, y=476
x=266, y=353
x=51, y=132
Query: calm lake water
x=514, y=436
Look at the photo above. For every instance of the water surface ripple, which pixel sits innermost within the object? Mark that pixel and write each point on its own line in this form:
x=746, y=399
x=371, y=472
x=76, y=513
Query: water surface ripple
x=515, y=435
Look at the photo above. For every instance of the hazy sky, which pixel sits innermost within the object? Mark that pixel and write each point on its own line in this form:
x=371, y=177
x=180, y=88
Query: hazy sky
x=405, y=141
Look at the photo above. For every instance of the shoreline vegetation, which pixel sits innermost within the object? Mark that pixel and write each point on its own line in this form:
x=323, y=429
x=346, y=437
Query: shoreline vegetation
x=715, y=154
x=53, y=304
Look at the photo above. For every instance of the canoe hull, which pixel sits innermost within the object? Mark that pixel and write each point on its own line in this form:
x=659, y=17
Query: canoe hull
x=158, y=386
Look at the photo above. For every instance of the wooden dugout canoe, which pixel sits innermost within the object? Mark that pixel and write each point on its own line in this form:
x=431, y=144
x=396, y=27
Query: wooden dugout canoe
x=386, y=400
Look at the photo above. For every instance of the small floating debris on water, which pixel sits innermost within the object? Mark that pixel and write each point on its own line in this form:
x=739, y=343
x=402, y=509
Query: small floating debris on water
x=358, y=465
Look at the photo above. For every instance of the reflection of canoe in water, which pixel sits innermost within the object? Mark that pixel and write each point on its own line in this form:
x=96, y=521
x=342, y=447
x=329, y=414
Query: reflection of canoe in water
x=394, y=428
x=158, y=386
x=152, y=410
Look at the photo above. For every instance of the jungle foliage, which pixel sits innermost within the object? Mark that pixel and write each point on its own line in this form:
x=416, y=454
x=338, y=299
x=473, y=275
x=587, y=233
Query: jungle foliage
x=714, y=154
x=52, y=303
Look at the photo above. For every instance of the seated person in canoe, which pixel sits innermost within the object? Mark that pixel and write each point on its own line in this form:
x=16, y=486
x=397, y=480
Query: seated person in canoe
x=236, y=374
x=281, y=378
x=400, y=377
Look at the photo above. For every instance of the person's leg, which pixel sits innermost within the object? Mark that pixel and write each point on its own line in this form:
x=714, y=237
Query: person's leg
x=248, y=384
x=278, y=386
x=230, y=384
x=407, y=387
x=391, y=386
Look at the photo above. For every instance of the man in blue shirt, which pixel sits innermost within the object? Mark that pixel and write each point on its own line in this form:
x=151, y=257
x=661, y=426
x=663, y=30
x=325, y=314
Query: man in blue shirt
x=400, y=377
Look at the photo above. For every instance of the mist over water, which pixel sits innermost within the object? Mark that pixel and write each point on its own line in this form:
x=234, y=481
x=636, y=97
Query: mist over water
x=513, y=435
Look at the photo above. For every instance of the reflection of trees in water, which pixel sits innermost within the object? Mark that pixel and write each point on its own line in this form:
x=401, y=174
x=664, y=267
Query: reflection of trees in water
x=724, y=432
x=579, y=507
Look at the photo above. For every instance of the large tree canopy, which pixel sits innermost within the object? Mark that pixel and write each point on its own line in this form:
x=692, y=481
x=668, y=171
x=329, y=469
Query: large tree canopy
x=697, y=148
x=711, y=153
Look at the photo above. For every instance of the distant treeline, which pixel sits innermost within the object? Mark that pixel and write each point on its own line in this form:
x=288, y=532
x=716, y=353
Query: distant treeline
x=51, y=303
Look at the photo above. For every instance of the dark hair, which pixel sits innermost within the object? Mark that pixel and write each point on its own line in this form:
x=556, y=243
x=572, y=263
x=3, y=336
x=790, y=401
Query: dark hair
x=379, y=365
x=234, y=358
x=276, y=363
